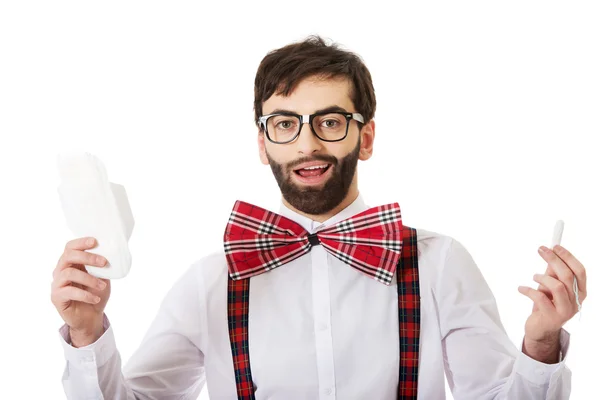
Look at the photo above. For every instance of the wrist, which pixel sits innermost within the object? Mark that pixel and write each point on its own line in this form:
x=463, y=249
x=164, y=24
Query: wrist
x=546, y=350
x=88, y=335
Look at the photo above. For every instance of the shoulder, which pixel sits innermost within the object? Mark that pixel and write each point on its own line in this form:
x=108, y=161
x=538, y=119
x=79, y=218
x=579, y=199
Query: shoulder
x=210, y=271
x=431, y=243
x=440, y=252
x=446, y=264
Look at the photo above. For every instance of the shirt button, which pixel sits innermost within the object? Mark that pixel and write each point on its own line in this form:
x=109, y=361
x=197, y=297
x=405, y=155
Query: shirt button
x=328, y=391
x=539, y=371
x=323, y=327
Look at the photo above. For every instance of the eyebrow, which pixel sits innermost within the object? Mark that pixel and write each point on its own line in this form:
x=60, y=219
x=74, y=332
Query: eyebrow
x=322, y=110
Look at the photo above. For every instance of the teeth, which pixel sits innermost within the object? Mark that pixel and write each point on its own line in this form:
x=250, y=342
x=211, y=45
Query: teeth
x=315, y=167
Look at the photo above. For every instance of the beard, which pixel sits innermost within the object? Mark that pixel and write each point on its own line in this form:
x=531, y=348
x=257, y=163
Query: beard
x=317, y=200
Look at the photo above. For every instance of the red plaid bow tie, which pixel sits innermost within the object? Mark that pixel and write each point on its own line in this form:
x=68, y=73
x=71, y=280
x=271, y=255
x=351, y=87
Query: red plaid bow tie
x=257, y=240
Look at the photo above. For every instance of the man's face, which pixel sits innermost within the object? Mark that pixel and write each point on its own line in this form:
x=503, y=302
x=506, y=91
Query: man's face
x=317, y=191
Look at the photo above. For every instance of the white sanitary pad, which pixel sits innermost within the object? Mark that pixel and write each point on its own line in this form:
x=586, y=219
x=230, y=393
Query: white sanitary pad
x=95, y=207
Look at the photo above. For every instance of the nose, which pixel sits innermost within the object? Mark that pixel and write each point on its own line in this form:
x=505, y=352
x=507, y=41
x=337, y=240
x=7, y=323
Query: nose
x=307, y=142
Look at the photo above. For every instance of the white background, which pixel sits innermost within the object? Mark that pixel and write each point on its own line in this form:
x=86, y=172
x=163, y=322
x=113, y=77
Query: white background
x=487, y=131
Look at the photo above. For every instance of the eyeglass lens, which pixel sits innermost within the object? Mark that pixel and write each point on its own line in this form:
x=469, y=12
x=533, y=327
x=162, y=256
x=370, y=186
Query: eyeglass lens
x=282, y=128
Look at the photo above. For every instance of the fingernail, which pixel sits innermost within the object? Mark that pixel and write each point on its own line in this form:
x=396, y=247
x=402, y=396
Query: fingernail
x=101, y=260
x=543, y=249
x=90, y=241
x=96, y=299
x=101, y=284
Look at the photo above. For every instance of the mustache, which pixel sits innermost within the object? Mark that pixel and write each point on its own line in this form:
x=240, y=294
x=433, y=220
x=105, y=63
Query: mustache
x=328, y=159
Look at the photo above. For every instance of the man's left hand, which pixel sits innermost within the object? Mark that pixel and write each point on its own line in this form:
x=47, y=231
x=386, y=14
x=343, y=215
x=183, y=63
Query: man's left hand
x=554, y=302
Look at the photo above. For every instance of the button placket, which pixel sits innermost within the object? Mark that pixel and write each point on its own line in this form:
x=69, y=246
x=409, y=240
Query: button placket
x=322, y=322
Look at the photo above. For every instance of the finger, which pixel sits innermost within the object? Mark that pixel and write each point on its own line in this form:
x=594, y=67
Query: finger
x=563, y=272
x=545, y=290
x=72, y=293
x=82, y=243
x=575, y=265
x=563, y=299
x=550, y=271
x=73, y=275
x=71, y=257
x=539, y=298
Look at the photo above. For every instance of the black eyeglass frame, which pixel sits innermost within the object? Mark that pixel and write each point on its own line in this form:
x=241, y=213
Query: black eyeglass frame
x=308, y=119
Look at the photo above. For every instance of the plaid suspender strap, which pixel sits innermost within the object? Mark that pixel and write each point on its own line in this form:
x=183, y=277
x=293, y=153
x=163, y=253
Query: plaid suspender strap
x=409, y=316
x=237, y=318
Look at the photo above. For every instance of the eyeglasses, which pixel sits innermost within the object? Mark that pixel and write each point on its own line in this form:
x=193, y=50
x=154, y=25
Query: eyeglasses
x=283, y=128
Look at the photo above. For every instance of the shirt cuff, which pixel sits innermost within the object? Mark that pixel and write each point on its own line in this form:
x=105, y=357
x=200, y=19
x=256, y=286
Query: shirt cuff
x=539, y=372
x=93, y=355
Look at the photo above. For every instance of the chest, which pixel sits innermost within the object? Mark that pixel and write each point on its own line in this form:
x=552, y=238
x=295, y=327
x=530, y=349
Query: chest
x=316, y=328
x=324, y=330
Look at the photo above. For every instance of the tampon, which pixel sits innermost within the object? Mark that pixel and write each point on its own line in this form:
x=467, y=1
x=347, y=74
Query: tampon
x=556, y=238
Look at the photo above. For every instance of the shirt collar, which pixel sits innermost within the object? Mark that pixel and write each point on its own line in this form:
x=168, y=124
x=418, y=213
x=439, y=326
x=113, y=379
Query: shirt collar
x=357, y=206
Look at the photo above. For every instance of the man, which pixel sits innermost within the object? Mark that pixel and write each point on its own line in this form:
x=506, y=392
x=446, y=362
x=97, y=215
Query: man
x=329, y=298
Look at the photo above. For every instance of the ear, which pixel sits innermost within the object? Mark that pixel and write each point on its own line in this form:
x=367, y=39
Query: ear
x=262, y=153
x=367, y=134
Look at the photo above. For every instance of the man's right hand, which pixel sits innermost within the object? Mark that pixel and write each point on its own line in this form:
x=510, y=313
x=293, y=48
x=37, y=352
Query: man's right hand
x=79, y=297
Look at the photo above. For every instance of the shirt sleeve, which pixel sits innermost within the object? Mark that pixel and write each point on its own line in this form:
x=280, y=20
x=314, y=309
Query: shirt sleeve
x=168, y=364
x=481, y=362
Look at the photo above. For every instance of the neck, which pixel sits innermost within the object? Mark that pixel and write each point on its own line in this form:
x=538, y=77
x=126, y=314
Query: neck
x=350, y=197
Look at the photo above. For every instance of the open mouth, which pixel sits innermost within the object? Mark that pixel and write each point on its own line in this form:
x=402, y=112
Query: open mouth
x=312, y=171
x=312, y=175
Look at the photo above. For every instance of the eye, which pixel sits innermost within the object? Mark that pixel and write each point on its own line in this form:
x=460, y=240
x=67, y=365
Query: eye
x=285, y=124
x=331, y=123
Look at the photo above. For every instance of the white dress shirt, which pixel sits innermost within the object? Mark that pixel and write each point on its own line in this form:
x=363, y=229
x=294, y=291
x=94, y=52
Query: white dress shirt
x=319, y=329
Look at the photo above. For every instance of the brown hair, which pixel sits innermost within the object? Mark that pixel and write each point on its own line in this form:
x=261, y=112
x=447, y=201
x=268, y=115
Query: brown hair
x=283, y=69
